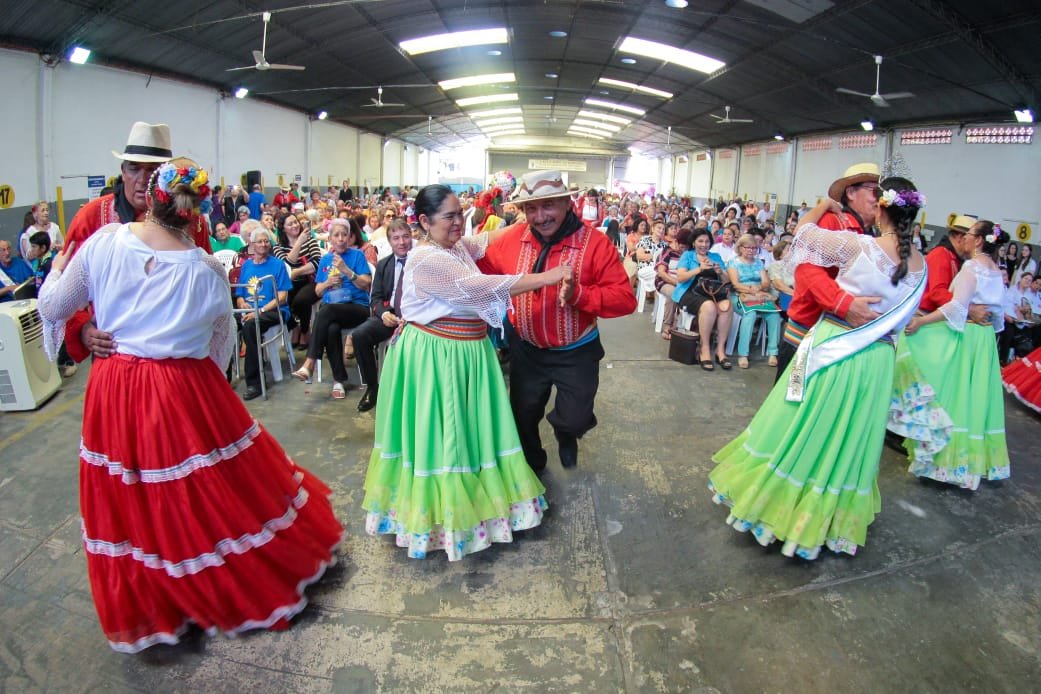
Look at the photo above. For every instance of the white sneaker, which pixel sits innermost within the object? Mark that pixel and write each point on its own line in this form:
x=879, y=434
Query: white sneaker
x=67, y=371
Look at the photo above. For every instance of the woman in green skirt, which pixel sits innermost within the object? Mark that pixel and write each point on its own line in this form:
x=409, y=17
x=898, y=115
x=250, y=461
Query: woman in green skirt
x=447, y=470
x=958, y=360
x=804, y=470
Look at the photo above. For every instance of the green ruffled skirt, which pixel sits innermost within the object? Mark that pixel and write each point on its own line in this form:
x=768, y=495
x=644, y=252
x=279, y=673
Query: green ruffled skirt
x=968, y=444
x=447, y=470
x=805, y=473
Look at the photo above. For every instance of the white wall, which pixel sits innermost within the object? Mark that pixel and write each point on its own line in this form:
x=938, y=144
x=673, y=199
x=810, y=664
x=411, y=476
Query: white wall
x=765, y=170
x=19, y=111
x=392, y=153
x=724, y=175
x=333, y=153
x=681, y=175
x=701, y=175
x=816, y=169
x=370, y=151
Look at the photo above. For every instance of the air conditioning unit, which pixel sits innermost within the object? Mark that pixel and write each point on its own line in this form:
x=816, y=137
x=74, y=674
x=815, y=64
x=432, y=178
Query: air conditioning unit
x=27, y=377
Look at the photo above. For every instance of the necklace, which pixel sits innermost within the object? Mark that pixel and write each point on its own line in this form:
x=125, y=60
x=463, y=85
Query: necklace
x=183, y=233
x=888, y=233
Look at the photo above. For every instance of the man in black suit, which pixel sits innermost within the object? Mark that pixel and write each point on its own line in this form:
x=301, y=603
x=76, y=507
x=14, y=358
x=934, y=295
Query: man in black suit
x=385, y=301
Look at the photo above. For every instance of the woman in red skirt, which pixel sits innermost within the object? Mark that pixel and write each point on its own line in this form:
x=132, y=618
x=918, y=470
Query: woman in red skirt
x=192, y=512
x=1022, y=378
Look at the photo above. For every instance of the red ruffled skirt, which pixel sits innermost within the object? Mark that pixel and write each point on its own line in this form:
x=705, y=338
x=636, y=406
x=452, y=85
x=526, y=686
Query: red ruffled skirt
x=1022, y=378
x=192, y=512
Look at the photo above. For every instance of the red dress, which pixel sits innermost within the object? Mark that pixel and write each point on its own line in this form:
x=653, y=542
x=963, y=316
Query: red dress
x=1022, y=378
x=192, y=513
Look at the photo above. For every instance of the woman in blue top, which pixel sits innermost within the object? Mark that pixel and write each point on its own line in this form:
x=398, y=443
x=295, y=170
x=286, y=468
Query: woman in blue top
x=342, y=281
x=752, y=296
x=699, y=275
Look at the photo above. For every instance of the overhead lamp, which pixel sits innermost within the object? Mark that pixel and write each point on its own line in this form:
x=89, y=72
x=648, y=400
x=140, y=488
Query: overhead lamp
x=588, y=131
x=629, y=61
x=597, y=124
x=635, y=87
x=475, y=80
x=552, y=75
x=670, y=54
x=676, y=4
x=779, y=137
x=499, y=121
x=867, y=125
x=488, y=99
x=548, y=97
x=509, y=110
x=494, y=53
x=322, y=115
x=615, y=107
x=455, y=39
x=507, y=132
x=241, y=93
x=1024, y=115
x=605, y=116
x=79, y=55
x=558, y=34
x=591, y=136
x=501, y=126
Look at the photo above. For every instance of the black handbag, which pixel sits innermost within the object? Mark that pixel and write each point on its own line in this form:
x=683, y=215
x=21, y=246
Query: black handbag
x=713, y=287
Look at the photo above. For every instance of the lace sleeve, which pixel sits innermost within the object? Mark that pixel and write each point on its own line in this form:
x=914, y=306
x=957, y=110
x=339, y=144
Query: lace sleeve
x=956, y=311
x=450, y=279
x=475, y=245
x=822, y=247
x=62, y=294
x=222, y=341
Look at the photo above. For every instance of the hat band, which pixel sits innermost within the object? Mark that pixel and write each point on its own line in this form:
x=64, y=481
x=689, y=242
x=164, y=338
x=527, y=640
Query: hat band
x=150, y=151
x=552, y=184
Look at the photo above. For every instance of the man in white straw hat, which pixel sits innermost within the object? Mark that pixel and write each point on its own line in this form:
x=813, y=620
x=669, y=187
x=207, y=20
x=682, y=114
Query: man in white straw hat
x=816, y=290
x=148, y=146
x=552, y=333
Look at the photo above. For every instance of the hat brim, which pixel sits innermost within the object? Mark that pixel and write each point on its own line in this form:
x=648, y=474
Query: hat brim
x=837, y=188
x=142, y=158
x=533, y=198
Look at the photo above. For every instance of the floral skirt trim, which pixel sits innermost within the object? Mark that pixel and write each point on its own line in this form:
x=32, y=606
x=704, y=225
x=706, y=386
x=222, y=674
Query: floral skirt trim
x=765, y=536
x=959, y=464
x=523, y=515
x=915, y=414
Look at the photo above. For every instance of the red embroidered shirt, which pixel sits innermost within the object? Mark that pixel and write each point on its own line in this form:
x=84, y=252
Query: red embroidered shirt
x=816, y=290
x=942, y=267
x=602, y=289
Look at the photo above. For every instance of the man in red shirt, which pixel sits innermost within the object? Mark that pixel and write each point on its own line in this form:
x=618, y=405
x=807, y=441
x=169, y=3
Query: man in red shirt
x=816, y=291
x=552, y=333
x=147, y=147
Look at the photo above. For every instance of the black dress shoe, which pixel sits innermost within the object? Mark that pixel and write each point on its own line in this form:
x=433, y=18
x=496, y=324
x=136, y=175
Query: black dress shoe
x=536, y=460
x=251, y=392
x=368, y=401
x=568, y=450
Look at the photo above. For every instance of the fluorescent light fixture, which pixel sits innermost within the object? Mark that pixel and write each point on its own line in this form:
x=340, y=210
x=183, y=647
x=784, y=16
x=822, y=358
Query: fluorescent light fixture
x=629, y=61
x=605, y=116
x=558, y=34
x=636, y=87
x=500, y=121
x=456, y=39
x=476, y=80
x=1024, y=116
x=676, y=4
x=670, y=54
x=241, y=93
x=588, y=131
x=322, y=115
x=489, y=99
x=591, y=136
x=779, y=137
x=867, y=125
x=552, y=75
x=494, y=53
x=503, y=126
x=79, y=55
x=509, y=110
x=548, y=97
x=597, y=124
x=507, y=132
x=615, y=107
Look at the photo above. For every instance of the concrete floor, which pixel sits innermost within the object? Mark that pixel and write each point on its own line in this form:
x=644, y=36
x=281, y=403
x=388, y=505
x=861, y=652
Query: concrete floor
x=633, y=582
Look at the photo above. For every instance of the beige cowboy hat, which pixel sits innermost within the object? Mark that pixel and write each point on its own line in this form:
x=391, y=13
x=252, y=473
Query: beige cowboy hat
x=963, y=222
x=540, y=185
x=149, y=143
x=864, y=172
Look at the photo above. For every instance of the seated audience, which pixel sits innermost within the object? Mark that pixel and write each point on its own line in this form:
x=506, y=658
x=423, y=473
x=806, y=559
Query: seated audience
x=703, y=290
x=271, y=300
x=752, y=298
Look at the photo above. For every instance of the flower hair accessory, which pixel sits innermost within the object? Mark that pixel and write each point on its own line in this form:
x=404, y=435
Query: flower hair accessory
x=171, y=174
x=990, y=238
x=904, y=198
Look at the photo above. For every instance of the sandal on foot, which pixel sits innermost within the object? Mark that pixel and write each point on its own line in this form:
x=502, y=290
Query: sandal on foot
x=302, y=374
x=339, y=393
x=706, y=364
x=742, y=362
x=348, y=349
x=772, y=361
x=725, y=363
x=666, y=334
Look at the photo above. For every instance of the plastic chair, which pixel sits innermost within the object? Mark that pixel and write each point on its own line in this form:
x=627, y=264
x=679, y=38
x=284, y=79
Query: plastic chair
x=643, y=287
x=268, y=342
x=659, y=311
x=227, y=258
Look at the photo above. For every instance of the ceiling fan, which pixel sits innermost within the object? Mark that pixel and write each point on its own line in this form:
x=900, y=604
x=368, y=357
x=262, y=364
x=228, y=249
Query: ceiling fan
x=721, y=120
x=880, y=100
x=262, y=63
x=378, y=102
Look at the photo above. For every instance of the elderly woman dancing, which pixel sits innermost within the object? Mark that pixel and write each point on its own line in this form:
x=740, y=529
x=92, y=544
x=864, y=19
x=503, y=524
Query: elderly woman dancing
x=447, y=470
x=184, y=522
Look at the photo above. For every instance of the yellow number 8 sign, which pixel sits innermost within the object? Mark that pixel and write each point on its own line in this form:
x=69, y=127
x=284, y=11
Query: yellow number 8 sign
x=1023, y=232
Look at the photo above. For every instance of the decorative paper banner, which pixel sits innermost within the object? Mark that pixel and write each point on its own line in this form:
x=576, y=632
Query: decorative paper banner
x=702, y=157
x=682, y=159
x=777, y=148
x=1005, y=135
x=556, y=165
x=858, y=141
x=753, y=151
x=726, y=154
x=937, y=136
x=816, y=144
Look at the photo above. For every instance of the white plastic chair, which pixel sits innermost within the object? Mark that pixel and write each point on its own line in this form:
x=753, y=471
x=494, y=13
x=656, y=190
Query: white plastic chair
x=643, y=287
x=227, y=258
x=659, y=311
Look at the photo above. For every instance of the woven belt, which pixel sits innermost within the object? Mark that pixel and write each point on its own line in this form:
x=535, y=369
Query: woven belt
x=794, y=333
x=456, y=328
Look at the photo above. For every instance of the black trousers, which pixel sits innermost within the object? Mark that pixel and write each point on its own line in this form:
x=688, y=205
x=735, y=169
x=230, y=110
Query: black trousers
x=331, y=319
x=534, y=371
x=301, y=299
x=785, y=353
x=267, y=319
x=367, y=337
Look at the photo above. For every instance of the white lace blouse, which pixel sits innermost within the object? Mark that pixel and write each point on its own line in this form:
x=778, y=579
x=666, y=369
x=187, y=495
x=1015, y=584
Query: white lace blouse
x=865, y=269
x=441, y=282
x=975, y=284
x=156, y=304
